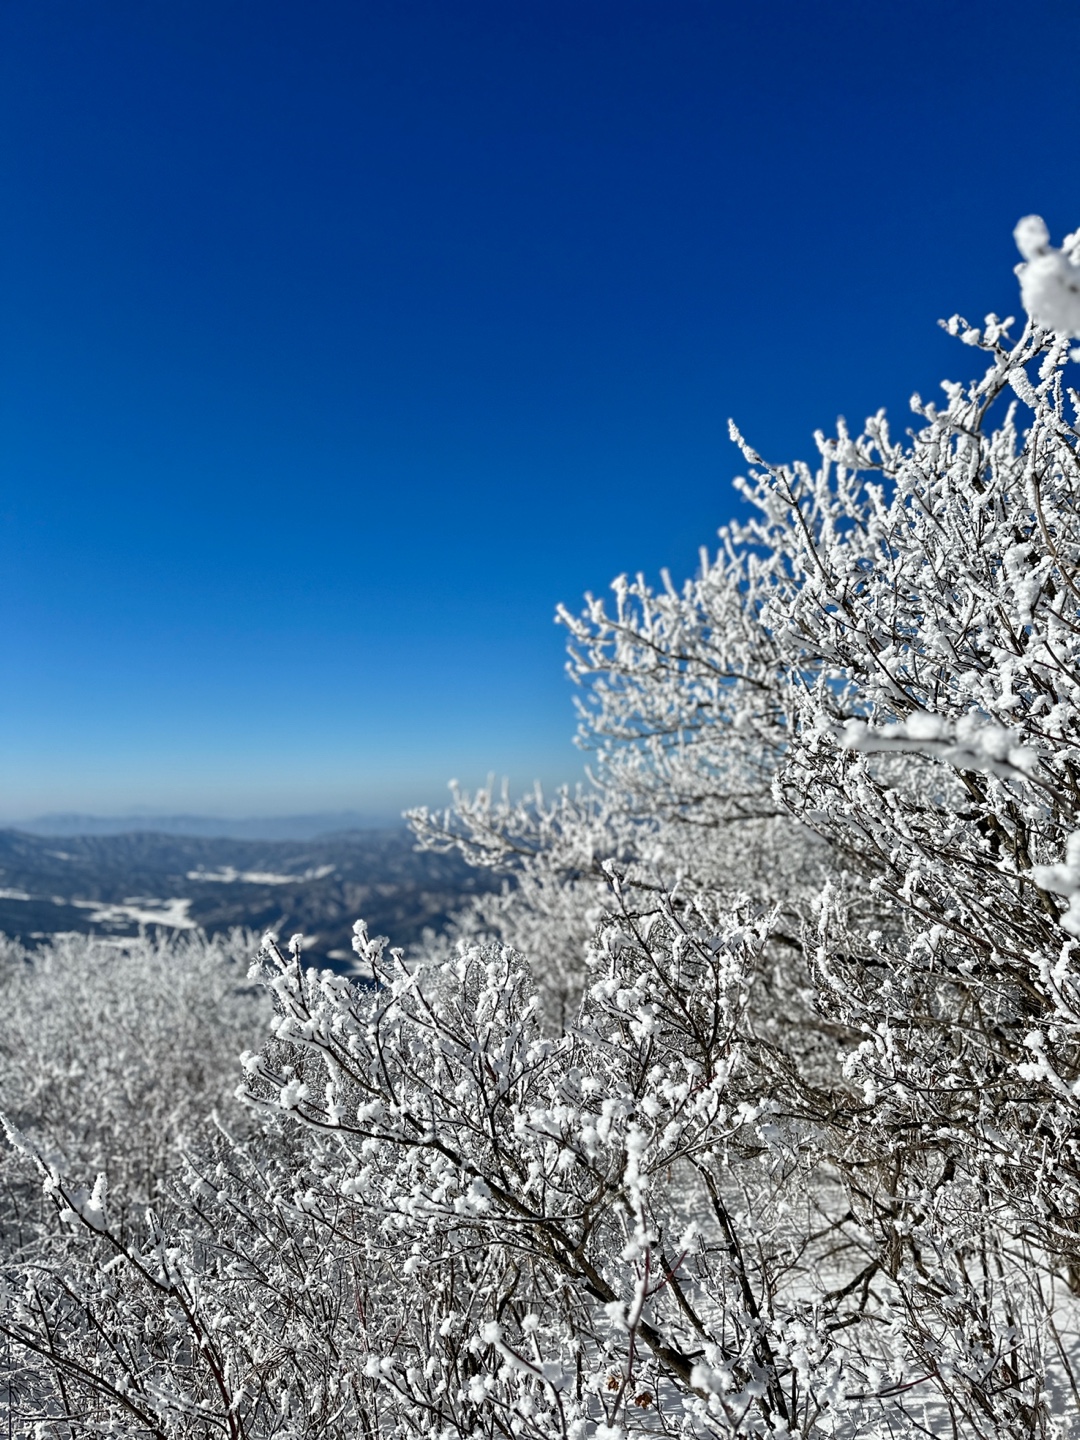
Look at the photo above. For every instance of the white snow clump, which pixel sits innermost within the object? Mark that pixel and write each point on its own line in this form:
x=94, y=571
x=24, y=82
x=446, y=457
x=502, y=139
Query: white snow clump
x=1049, y=278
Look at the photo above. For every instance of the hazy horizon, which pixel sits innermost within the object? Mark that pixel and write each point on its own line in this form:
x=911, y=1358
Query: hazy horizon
x=258, y=827
x=258, y=801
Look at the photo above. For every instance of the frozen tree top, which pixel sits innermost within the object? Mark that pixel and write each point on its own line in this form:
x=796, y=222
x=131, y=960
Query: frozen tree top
x=1049, y=278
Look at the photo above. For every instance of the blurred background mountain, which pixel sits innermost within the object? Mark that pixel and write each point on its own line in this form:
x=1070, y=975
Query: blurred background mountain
x=257, y=827
x=115, y=877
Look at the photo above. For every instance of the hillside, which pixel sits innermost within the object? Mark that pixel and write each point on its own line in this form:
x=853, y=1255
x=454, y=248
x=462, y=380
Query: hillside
x=115, y=884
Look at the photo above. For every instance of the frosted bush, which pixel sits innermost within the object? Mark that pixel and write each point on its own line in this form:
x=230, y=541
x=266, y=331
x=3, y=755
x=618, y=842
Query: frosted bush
x=114, y=1053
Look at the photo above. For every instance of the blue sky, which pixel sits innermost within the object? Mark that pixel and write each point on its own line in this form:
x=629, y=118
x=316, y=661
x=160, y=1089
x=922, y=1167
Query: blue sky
x=341, y=340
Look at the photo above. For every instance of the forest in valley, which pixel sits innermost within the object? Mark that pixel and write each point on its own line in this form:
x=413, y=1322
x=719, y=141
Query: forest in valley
x=114, y=885
x=740, y=1096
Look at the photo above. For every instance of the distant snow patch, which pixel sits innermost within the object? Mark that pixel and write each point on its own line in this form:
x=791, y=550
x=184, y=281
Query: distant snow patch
x=227, y=875
x=140, y=911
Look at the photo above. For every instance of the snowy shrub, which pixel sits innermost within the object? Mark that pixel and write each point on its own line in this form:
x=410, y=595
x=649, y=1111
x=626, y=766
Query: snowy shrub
x=113, y=1053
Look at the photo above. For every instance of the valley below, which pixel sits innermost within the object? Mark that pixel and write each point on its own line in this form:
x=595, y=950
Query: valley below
x=119, y=884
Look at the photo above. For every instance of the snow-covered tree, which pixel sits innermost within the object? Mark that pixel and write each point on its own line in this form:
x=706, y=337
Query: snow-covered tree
x=750, y=1106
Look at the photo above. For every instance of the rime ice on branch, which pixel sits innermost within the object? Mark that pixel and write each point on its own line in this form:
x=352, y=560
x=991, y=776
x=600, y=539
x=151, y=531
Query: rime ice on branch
x=1049, y=278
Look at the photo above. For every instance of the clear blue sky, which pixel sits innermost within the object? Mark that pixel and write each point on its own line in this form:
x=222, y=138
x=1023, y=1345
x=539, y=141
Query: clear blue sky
x=343, y=339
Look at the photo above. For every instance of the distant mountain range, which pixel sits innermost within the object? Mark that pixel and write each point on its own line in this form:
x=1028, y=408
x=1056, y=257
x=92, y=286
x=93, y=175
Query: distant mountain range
x=278, y=827
x=117, y=884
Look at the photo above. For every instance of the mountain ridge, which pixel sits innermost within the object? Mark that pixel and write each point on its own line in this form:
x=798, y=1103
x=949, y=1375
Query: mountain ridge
x=118, y=884
x=308, y=826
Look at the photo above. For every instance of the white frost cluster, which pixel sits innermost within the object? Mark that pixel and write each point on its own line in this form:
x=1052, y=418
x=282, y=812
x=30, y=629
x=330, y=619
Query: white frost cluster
x=1063, y=878
x=1049, y=278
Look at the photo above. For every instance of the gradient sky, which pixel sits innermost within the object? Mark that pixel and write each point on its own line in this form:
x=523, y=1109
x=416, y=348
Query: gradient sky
x=342, y=339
